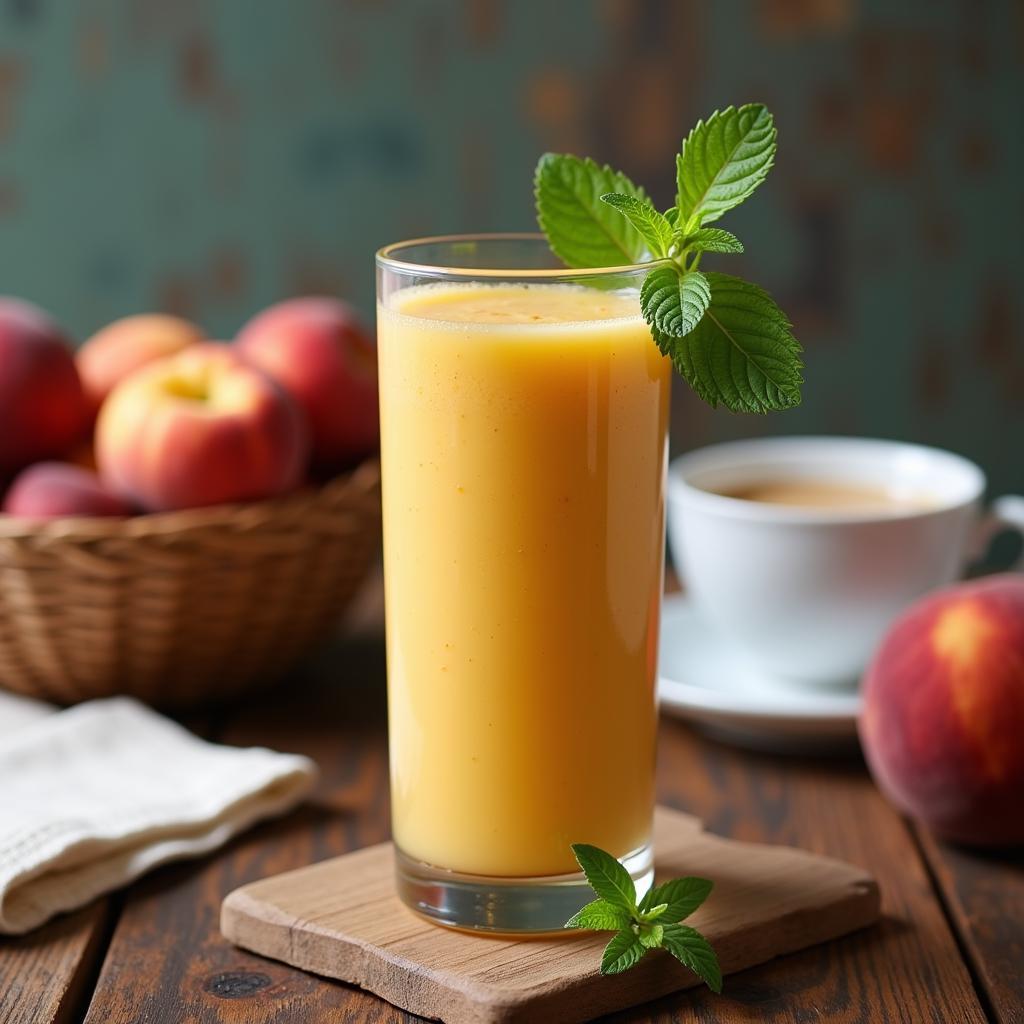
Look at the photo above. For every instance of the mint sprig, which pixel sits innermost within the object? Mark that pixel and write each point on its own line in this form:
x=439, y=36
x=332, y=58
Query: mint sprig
x=726, y=337
x=653, y=923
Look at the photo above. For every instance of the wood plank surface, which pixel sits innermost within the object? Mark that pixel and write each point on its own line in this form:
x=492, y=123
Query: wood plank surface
x=44, y=975
x=984, y=892
x=342, y=918
x=167, y=960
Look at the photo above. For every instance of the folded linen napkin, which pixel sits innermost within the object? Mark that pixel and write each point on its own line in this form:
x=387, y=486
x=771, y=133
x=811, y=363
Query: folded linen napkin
x=93, y=796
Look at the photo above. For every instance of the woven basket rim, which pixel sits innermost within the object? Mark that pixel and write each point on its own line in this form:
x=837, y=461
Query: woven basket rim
x=363, y=477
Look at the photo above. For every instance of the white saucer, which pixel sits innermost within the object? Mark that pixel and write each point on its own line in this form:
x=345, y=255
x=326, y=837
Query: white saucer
x=700, y=680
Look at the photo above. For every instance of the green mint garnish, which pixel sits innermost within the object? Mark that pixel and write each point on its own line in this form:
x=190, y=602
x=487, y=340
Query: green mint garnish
x=582, y=230
x=673, y=301
x=722, y=161
x=727, y=337
x=653, y=923
x=653, y=227
x=712, y=240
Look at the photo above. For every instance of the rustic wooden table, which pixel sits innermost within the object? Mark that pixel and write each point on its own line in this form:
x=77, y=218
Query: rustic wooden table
x=950, y=947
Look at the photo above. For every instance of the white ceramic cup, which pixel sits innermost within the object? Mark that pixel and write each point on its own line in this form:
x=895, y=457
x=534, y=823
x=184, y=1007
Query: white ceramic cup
x=806, y=593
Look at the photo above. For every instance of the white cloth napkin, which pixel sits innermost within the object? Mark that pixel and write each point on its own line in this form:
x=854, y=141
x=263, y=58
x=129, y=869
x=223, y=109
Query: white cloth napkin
x=92, y=797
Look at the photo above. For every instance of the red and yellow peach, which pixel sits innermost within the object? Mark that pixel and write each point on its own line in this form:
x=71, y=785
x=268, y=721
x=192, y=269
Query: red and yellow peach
x=121, y=348
x=319, y=352
x=200, y=428
x=943, y=715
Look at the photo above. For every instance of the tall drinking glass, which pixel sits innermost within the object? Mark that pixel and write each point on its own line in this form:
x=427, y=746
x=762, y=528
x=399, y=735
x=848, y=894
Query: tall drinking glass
x=523, y=422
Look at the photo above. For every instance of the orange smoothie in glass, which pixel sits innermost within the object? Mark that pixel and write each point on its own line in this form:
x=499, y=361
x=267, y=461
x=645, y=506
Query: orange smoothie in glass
x=523, y=450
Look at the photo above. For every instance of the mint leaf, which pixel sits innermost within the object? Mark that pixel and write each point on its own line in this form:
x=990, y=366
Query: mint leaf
x=722, y=161
x=624, y=950
x=581, y=230
x=653, y=227
x=650, y=935
x=653, y=913
x=606, y=876
x=680, y=897
x=600, y=916
x=673, y=301
x=636, y=929
x=712, y=240
x=692, y=950
x=742, y=353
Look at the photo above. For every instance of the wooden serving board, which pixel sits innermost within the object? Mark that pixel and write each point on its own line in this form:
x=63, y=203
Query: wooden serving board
x=341, y=918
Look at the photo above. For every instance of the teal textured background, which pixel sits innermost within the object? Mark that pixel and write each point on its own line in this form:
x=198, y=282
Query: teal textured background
x=211, y=157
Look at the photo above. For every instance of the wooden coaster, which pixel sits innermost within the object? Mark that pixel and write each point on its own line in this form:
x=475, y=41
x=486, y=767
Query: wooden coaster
x=341, y=918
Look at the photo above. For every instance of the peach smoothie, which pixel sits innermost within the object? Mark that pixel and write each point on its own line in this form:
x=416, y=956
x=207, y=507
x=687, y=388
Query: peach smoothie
x=523, y=444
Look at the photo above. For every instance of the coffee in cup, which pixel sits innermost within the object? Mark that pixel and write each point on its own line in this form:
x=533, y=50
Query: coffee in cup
x=800, y=551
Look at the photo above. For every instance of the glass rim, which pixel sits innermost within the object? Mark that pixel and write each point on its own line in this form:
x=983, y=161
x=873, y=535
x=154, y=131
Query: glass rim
x=385, y=258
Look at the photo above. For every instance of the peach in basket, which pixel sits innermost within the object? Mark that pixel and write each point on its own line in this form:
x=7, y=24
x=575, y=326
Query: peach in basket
x=200, y=428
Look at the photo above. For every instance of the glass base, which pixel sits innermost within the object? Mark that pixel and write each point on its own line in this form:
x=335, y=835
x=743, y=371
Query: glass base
x=482, y=904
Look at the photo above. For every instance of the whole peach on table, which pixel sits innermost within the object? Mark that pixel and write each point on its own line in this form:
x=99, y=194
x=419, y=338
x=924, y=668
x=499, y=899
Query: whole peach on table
x=125, y=345
x=943, y=720
x=47, y=490
x=200, y=428
x=42, y=408
x=317, y=349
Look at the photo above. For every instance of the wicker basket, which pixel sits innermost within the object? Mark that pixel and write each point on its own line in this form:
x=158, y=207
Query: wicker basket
x=181, y=608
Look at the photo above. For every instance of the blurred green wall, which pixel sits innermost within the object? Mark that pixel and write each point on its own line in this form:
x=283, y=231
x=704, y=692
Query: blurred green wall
x=210, y=156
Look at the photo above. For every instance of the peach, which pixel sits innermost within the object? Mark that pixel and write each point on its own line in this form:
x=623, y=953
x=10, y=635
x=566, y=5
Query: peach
x=319, y=352
x=50, y=489
x=124, y=346
x=42, y=409
x=200, y=428
x=943, y=716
